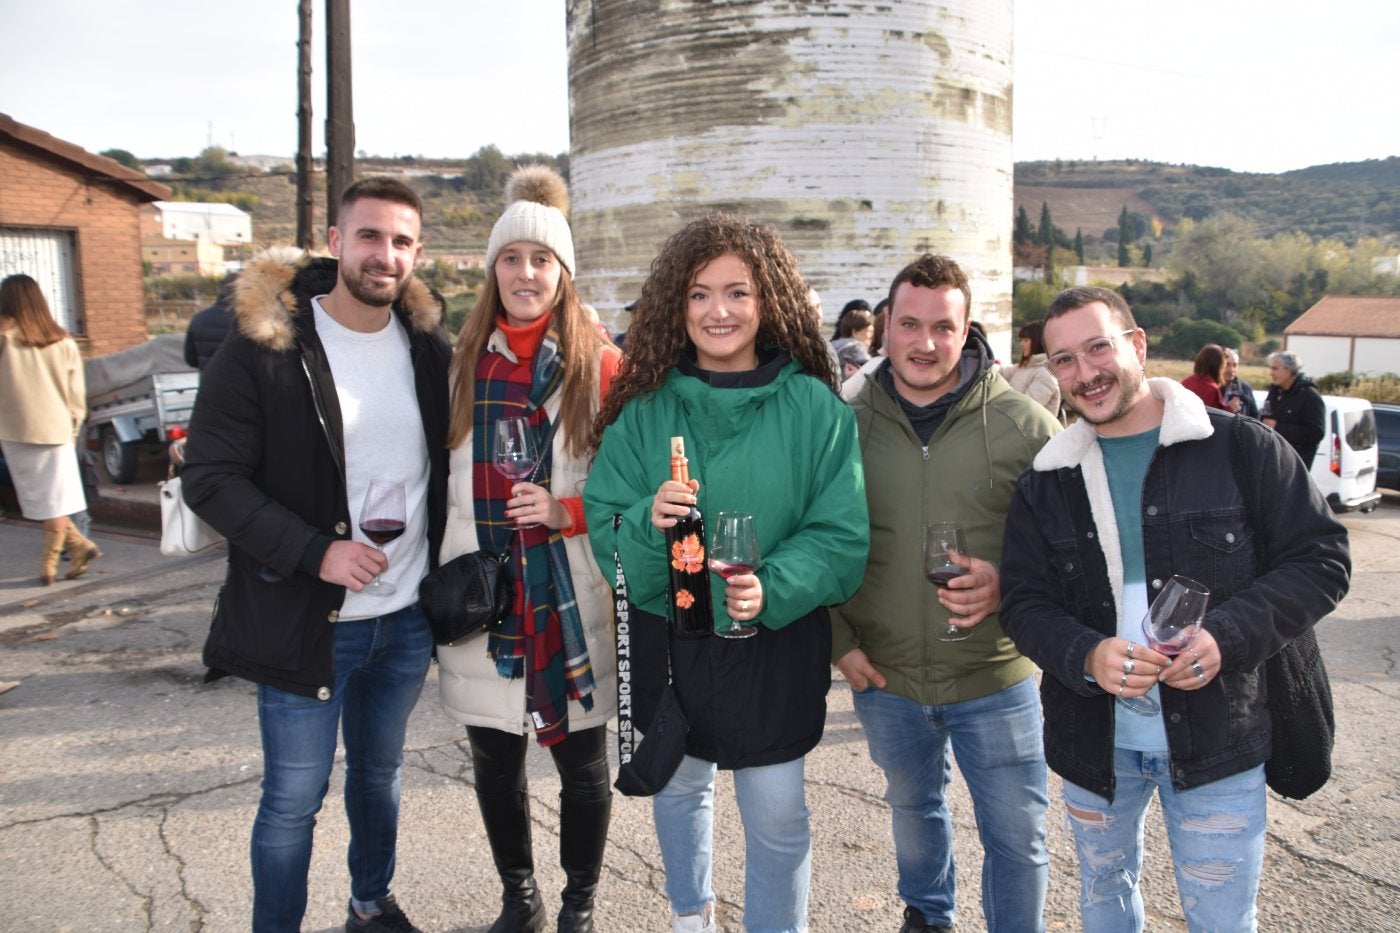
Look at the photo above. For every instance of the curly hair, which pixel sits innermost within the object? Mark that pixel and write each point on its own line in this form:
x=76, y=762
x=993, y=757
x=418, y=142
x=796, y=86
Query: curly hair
x=657, y=338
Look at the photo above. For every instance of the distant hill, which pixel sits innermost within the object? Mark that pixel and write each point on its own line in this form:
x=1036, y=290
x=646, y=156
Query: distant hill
x=1345, y=201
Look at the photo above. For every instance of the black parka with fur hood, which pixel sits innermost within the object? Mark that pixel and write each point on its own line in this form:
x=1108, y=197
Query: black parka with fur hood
x=265, y=467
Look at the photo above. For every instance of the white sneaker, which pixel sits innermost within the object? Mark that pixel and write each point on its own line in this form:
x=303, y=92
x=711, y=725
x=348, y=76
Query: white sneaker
x=703, y=922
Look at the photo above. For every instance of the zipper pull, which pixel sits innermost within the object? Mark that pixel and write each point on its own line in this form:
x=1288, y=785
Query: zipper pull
x=925, y=449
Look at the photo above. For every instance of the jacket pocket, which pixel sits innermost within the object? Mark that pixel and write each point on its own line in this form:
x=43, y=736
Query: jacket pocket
x=1224, y=545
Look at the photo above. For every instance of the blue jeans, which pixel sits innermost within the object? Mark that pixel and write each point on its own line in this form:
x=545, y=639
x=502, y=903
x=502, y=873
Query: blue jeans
x=999, y=747
x=380, y=664
x=1216, y=833
x=777, y=841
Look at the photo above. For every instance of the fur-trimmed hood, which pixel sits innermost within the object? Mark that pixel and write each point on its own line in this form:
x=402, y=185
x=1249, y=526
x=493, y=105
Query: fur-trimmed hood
x=280, y=283
x=1184, y=418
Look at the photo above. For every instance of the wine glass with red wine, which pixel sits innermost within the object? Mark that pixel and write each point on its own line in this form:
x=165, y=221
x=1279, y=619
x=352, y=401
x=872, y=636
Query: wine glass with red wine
x=382, y=519
x=733, y=551
x=1169, y=628
x=515, y=454
x=941, y=540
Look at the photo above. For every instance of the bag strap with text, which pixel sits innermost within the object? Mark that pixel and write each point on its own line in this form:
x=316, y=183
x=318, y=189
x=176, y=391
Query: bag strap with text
x=626, y=734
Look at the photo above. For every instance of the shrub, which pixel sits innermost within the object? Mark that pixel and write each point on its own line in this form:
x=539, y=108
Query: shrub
x=1184, y=339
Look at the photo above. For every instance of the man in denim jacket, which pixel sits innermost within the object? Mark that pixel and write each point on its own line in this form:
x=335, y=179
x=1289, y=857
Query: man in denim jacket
x=1145, y=486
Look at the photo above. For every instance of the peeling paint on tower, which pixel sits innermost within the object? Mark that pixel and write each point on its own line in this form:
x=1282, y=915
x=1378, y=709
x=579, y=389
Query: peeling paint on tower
x=866, y=133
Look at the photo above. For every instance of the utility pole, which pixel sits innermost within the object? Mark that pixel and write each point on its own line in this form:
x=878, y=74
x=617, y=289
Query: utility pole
x=340, y=111
x=306, y=238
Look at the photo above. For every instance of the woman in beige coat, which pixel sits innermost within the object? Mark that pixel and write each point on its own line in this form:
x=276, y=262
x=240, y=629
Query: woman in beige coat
x=45, y=403
x=527, y=349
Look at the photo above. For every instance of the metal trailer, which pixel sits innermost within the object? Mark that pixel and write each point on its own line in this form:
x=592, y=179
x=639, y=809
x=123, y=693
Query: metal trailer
x=138, y=399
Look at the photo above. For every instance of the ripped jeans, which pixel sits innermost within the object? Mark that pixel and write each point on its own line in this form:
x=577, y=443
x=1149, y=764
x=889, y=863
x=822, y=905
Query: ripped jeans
x=1216, y=832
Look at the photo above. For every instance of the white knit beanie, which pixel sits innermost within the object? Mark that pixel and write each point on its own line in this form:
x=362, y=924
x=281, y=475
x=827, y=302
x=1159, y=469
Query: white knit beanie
x=537, y=200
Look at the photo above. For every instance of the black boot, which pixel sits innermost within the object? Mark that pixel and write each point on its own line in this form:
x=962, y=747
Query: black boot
x=507, y=821
x=583, y=835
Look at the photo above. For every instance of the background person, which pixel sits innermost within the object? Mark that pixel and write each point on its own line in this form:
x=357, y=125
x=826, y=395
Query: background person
x=1294, y=408
x=1238, y=394
x=1148, y=484
x=1029, y=376
x=1207, y=375
x=335, y=375
x=855, y=324
x=529, y=349
x=725, y=352
x=45, y=393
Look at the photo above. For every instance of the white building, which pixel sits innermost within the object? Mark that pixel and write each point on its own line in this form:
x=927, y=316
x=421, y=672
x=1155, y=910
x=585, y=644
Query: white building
x=222, y=224
x=1347, y=333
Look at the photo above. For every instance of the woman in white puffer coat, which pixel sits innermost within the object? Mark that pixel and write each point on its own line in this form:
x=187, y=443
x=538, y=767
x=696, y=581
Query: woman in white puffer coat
x=527, y=349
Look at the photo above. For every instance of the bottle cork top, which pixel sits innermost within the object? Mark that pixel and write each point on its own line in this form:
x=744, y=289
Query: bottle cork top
x=677, y=447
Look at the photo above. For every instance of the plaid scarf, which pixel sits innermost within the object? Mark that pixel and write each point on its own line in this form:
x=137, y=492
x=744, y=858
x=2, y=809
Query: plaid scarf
x=542, y=638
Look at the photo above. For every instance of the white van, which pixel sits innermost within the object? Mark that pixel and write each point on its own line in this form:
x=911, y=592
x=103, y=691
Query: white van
x=1345, y=465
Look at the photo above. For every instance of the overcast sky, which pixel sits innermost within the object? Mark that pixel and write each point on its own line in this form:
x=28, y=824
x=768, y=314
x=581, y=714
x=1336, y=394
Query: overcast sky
x=1249, y=87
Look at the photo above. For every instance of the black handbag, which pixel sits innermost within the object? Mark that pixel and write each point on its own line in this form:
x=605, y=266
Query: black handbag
x=1300, y=710
x=645, y=765
x=1301, y=718
x=467, y=595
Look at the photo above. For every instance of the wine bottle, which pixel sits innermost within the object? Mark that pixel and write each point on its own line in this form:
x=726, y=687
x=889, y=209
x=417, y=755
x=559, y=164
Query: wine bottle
x=691, y=614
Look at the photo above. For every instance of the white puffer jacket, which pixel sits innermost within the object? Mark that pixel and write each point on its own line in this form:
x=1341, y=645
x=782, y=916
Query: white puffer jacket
x=472, y=692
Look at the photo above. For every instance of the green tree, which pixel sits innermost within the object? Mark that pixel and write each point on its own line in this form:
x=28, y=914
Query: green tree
x=1079, y=244
x=1022, y=233
x=122, y=156
x=1125, y=237
x=1045, y=235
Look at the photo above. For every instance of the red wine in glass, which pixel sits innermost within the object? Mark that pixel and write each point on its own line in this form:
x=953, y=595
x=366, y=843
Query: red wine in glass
x=733, y=551
x=382, y=519
x=514, y=454
x=1169, y=627
x=941, y=541
x=942, y=576
x=727, y=570
x=382, y=530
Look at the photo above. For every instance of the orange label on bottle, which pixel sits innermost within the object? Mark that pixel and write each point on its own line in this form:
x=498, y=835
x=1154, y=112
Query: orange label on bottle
x=687, y=555
x=684, y=599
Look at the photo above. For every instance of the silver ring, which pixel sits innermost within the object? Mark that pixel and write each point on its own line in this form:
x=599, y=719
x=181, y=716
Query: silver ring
x=1122, y=683
x=1132, y=646
x=1120, y=690
x=1198, y=670
x=1129, y=666
x=1194, y=656
x=1203, y=677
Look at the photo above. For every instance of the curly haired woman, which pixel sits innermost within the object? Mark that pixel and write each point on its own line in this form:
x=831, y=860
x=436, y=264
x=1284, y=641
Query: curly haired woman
x=725, y=352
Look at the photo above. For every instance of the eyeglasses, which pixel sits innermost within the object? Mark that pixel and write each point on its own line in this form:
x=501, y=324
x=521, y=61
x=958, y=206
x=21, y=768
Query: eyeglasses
x=1098, y=352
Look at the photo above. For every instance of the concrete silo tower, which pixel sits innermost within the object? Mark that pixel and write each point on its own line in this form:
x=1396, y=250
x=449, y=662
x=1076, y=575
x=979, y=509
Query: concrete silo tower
x=866, y=133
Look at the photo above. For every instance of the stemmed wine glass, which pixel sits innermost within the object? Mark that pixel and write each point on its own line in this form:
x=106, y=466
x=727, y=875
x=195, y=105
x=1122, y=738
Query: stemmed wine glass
x=382, y=519
x=1171, y=624
x=941, y=540
x=515, y=453
x=733, y=551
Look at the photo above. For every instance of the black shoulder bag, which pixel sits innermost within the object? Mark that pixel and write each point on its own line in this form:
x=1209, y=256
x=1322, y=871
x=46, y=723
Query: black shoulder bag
x=644, y=765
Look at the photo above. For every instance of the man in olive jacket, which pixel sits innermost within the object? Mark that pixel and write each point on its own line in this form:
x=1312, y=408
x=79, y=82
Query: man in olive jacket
x=943, y=437
x=334, y=376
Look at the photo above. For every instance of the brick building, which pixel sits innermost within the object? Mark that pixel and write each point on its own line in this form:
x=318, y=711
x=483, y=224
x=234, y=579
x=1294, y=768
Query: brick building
x=71, y=220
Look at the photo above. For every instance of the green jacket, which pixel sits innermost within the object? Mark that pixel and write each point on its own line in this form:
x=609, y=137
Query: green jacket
x=967, y=474
x=781, y=445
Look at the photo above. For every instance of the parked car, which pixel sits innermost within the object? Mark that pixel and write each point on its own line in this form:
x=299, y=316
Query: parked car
x=1388, y=441
x=1345, y=465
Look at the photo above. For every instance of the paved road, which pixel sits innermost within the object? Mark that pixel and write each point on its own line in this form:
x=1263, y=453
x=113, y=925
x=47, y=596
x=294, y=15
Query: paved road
x=127, y=786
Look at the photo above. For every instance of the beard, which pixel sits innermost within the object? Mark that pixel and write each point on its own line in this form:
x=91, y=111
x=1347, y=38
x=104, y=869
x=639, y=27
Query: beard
x=372, y=293
x=1129, y=383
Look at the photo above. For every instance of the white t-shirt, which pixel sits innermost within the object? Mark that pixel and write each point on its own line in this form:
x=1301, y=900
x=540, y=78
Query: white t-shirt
x=384, y=440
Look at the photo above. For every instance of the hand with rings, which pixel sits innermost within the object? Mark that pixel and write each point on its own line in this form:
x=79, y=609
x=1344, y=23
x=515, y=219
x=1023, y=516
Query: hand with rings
x=1124, y=667
x=1194, y=667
